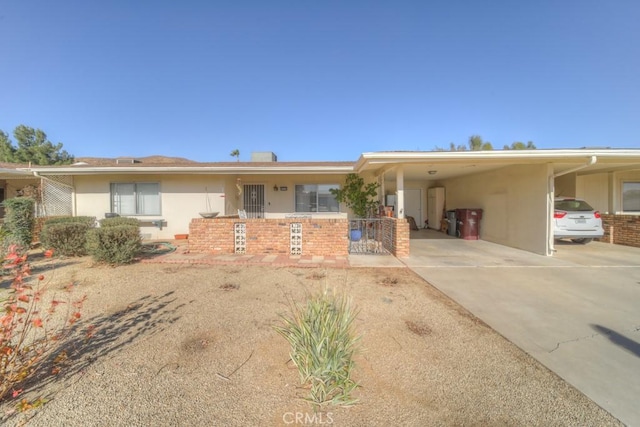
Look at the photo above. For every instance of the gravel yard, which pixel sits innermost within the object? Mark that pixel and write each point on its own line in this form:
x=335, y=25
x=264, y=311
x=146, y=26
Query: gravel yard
x=192, y=345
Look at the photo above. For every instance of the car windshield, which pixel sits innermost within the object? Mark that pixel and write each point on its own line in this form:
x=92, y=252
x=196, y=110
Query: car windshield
x=572, y=205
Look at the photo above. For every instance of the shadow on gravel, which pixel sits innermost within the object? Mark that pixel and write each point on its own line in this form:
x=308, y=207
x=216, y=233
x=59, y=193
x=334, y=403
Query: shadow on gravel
x=99, y=336
x=36, y=269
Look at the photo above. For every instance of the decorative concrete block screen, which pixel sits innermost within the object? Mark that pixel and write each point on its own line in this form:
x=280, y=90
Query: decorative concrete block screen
x=295, y=237
x=254, y=236
x=621, y=229
x=240, y=238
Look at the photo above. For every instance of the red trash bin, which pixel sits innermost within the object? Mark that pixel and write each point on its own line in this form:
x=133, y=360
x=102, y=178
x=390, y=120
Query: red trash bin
x=469, y=223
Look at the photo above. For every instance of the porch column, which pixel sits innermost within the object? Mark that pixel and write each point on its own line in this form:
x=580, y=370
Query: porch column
x=400, y=191
x=381, y=193
x=612, y=201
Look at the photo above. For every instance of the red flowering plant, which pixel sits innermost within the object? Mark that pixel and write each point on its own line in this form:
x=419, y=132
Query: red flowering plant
x=31, y=326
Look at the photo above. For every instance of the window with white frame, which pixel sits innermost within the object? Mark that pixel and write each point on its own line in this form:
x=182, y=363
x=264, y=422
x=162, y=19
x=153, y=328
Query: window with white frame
x=631, y=196
x=316, y=198
x=135, y=198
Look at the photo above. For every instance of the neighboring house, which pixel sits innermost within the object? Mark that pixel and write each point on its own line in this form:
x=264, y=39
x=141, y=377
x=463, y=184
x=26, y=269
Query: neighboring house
x=515, y=189
x=16, y=181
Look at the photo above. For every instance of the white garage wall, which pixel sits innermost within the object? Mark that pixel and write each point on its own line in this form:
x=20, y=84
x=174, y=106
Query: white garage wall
x=595, y=190
x=603, y=191
x=514, y=200
x=390, y=188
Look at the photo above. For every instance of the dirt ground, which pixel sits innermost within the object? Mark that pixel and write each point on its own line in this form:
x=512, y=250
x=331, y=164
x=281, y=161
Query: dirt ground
x=191, y=345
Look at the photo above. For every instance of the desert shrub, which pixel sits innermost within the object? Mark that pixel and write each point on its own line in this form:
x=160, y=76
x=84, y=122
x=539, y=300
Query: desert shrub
x=19, y=219
x=65, y=238
x=117, y=244
x=89, y=220
x=118, y=221
x=322, y=339
x=31, y=332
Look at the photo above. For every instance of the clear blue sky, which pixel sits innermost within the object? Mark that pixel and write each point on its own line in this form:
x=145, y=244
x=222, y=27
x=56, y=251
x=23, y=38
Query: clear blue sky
x=321, y=80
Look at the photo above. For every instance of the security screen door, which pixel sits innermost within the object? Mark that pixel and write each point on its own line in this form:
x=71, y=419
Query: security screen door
x=254, y=200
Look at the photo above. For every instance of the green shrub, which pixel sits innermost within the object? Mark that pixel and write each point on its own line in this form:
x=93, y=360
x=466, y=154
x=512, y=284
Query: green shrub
x=89, y=220
x=114, y=244
x=119, y=220
x=65, y=238
x=322, y=343
x=19, y=219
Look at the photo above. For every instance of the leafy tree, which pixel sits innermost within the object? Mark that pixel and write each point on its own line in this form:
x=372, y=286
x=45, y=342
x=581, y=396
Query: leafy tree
x=32, y=146
x=358, y=196
x=477, y=144
x=7, y=151
x=520, y=146
x=235, y=153
x=452, y=147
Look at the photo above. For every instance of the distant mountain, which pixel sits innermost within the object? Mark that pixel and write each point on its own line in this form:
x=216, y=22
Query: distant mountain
x=154, y=160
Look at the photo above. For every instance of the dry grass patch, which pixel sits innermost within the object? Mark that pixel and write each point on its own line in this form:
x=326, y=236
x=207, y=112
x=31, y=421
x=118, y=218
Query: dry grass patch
x=419, y=328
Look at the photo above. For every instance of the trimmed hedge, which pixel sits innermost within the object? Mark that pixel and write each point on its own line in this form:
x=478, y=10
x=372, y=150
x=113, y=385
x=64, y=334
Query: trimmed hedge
x=19, y=219
x=118, y=221
x=114, y=244
x=89, y=220
x=65, y=238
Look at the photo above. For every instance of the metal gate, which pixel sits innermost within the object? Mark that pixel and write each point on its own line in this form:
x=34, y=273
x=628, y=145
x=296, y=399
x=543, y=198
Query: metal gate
x=254, y=200
x=370, y=236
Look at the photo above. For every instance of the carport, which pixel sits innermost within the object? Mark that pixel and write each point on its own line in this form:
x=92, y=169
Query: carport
x=514, y=188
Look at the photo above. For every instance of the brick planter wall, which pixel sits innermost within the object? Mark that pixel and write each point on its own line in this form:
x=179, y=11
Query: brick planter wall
x=621, y=229
x=270, y=236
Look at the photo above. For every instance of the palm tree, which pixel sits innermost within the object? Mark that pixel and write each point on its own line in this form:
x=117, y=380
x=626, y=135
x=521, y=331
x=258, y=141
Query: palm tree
x=235, y=153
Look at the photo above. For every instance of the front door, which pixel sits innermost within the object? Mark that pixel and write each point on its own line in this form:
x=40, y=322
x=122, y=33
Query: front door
x=254, y=200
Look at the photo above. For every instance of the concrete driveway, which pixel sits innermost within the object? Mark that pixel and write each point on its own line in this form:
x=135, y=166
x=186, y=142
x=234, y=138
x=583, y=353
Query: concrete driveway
x=577, y=312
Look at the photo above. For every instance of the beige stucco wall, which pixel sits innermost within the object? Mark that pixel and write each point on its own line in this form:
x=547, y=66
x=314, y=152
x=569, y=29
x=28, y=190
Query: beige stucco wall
x=183, y=197
x=514, y=201
x=280, y=203
x=565, y=185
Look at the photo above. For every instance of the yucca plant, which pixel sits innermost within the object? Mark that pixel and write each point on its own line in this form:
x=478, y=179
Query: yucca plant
x=323, y=341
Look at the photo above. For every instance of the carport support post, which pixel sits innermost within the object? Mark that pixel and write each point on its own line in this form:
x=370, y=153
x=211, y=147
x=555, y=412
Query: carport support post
x=400, y=191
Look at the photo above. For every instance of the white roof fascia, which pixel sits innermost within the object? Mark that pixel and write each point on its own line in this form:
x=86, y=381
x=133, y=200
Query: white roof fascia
x=15, y=172
x=499, y=155
x=323, y=170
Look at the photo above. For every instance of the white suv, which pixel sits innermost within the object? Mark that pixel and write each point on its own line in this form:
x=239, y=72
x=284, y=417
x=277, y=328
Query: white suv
x=576, y=220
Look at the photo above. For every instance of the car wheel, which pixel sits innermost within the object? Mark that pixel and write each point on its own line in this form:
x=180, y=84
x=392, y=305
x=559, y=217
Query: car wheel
x=581, y=241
